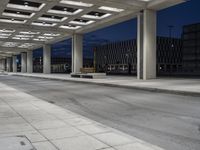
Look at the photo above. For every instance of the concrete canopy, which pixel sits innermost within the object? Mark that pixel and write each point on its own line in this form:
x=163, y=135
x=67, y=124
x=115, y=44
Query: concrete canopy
x=29, y=24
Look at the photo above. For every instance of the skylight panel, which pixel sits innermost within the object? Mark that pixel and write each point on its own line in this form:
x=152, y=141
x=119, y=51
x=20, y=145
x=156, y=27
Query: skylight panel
x=76, y=3
x=111, y=9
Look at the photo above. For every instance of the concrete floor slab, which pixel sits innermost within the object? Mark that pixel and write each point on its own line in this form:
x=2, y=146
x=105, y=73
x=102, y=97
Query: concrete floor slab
x=8, y=128
x=78, y=121
x=12, y=120
x=60, y=133
x=80, y=143
x=94, y=129
x=44, y=146
x=43, y=116
x=114, y=139
x=33, y=136
x=48, y=124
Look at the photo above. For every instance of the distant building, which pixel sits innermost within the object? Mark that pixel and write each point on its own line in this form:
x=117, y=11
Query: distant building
x=191, y=49
x=58, y=64
x=121, y=57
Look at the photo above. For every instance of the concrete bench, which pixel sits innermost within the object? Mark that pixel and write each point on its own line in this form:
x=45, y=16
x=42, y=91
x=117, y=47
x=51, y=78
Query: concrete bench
x=89, y=75
x=87, y=70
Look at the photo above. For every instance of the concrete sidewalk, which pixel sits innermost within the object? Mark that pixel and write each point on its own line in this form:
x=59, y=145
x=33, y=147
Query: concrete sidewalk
x=167, y=85
x=50, y=127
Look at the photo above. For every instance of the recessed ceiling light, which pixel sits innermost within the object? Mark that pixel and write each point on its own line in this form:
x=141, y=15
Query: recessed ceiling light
x=5, y=34
x=3, y=37
x=18, y=14
x=36, y=39
x=26, y=4
x=20, y=38
x=45, y=37
x=45, y=24
x=29, y=32
x=111, y=9
x=64, y=11
x=30, y=6
x=96, y=15
x=51, y=34
x=10, y=44
x=25, y=35
x=76, y=3
x=52, y=18
x=70, y=27
x=9, y=20
x=82, y=22
x=7, y=31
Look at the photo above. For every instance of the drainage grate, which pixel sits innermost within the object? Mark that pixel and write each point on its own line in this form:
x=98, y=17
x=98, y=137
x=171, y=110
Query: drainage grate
x=15, y=143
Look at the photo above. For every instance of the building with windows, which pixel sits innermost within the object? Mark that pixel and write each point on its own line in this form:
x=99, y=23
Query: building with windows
x=121, y=57
x=191, y=49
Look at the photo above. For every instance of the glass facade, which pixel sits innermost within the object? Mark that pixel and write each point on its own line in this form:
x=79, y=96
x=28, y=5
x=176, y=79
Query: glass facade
x=61, y=57
x=38, y=60
x=18, y=63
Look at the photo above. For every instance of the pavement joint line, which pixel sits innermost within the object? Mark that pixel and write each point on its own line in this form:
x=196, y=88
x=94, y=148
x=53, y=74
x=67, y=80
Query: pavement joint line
x=109, y=146
x=165, y=91
x=50, y=141
x=31, y=124
x=90, y=134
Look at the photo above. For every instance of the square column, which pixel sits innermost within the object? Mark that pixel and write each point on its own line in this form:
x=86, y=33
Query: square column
x=3, y=64
x=23, y=62
x=29, y=61
x=146, y=45
x=77, y=53
x=8, y=64
x=47, y=59
x=14, y=64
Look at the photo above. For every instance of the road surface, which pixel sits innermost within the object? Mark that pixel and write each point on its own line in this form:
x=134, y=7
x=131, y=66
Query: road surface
x=167, y=120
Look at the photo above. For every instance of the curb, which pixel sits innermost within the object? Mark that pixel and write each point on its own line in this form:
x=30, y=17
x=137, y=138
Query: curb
x=157, y=90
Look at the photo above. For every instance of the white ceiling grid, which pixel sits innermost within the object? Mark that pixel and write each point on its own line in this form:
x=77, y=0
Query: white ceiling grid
x=29, y=24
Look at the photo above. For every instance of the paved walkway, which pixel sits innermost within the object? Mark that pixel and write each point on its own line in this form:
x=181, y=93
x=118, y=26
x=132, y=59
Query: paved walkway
x=168, y=85
x=50, y=127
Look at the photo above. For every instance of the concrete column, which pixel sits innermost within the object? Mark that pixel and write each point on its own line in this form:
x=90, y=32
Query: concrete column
x=3, y=64
x=30, y=61
x=14, y=64
x=47, y=59
x=8, y=64
x=77, y=53
x=23, y=62
x=146, y=41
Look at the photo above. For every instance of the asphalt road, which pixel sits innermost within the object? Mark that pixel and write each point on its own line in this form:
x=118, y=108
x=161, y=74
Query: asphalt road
x=167, y=120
